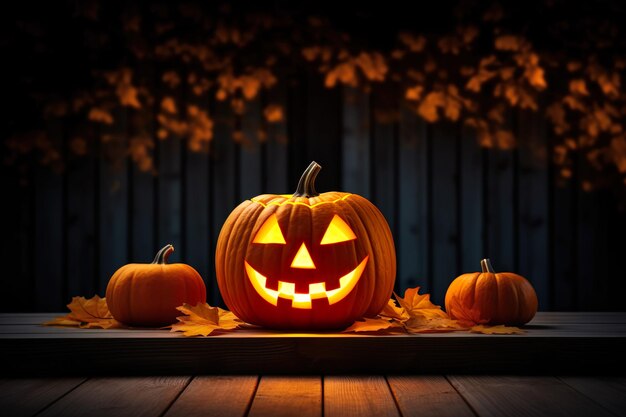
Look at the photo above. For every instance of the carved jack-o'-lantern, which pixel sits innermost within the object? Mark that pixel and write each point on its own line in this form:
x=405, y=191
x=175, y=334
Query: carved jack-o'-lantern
x=307, y=260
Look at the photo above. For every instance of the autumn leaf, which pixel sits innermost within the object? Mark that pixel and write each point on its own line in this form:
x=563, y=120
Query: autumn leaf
x=372, y=325
x=392, y=311
x=202, y=320
x=500, y=329
x=423, y=324
x=86, y=314
x=416, y=304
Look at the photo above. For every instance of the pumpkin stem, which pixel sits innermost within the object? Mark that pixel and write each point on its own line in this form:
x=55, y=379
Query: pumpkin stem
x=306, y=186
x=163, y=254
x=485, y=264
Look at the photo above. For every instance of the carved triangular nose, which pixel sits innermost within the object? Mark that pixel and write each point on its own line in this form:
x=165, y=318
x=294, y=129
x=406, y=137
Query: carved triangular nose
x=303, y=259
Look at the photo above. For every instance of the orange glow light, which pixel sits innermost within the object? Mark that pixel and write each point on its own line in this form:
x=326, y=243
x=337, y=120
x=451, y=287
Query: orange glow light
x=338, y=231
x=303, y=259
x=270, y=232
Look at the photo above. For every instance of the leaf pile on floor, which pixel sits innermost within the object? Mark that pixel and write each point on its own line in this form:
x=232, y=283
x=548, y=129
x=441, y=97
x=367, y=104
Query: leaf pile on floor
x=86, y=314
x=202, y=320
x=417, y=314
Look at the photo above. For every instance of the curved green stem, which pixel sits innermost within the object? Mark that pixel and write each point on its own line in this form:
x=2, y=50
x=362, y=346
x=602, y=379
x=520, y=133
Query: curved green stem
x=306, y=186
x=163, y=254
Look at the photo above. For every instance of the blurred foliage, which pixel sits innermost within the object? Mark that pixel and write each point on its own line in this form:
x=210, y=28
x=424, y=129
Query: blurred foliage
x=77, y=71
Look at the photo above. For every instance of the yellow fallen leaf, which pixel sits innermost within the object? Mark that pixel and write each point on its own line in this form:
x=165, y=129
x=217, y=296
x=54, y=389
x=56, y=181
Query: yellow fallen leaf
x=202, y=320
x=417, y=304
x=87, y=314
x=500, y=329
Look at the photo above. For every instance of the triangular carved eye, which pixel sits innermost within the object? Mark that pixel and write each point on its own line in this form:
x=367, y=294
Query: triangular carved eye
x=270, y=232
x=338, y=231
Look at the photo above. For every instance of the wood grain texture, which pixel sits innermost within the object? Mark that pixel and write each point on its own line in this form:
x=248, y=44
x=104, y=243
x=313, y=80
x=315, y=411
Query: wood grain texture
x=346, y=396
x=524, y=396
x=610, y=392
x=427, y=396
x=26, y=397
x=549, y=347
x=288, y=396
x=107, y=397
x=216, y=396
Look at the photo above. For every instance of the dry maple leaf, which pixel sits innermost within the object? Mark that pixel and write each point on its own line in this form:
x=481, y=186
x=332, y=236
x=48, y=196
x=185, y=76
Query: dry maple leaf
x=378, y=324
x=202, y=320
x=392, y=311
x=500, y=329
x=416, y=304
x=432, y=325
x=86, y=314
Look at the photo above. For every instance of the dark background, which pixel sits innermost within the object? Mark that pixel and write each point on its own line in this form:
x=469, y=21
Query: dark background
x=448, y=201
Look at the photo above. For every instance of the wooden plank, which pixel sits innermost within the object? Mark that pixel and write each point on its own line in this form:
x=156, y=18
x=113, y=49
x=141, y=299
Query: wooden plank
x=427, y=396
x=471, y=202
x=27, y=396
x=276, y=149
x=500, y=201
x=81, y=225
x=546, y=347
x=197, y=228
x=358, y=396
x=224, y=196
x=148, y=396
x=16, y=248
x=355, y=143
x=444, y=215
x=383, y=165
x=533, y=205
x=250, y=174
x=142, y=212
x=288, y=396
x=524, y=396
x=49, y=229
x=610, y=392
x=413, y=239
x=112, y=218
x=223, y=396
x=323, y=135
x=170, y=197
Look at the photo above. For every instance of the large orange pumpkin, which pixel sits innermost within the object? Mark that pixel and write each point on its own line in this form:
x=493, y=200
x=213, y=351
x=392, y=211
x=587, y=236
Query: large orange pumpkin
x=491, y=298
x=148, y=294
x=307, y=260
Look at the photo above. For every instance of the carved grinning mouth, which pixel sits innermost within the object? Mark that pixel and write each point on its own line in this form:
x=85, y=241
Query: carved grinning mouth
x=287, y=290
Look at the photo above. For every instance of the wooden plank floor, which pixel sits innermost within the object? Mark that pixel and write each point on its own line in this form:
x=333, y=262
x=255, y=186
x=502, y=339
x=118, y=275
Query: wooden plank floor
x=311, y=396
x=555, y=343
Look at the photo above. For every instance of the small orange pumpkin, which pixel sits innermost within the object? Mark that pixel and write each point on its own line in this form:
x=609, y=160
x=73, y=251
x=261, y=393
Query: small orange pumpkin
x=148, y=294
x=491, y=298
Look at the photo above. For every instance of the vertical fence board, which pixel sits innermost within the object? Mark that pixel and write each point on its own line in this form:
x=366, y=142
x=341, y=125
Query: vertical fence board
x=250, y=174
x=48, y=240
x=471, y=202
x=81, y=235
x=224, y=198
x=444, y=228
x=169, y=196
x=323, y=142
x=499, y=200
x=355, y=142
x=197, y=234
x=276, y=152
x=533, y=202
x=412, y=202
x=113, y=213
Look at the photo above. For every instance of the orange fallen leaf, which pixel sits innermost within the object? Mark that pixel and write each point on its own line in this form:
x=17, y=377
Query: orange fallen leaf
x=372, y=325
x=392, y=311
x=500, y=329
x=417, y=304
x=202, y=320
x=86, y=314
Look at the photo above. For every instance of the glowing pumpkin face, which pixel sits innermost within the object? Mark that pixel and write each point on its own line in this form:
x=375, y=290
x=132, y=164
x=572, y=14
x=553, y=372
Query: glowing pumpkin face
x=307, y=261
